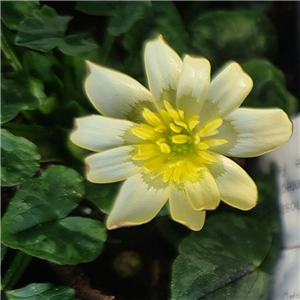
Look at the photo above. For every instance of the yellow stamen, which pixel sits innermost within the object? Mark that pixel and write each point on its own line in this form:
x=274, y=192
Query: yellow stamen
x=180, y=123
x=175, y=128
x=146, y=151
x=153, y=163
x=202, y=146
x=151, y=117
x=193, y=122
x=180, y=139
x=172, y=112
x=215, y=142
x=209, y=133
x=145, y=132
x=204, y=155
x=165, y=148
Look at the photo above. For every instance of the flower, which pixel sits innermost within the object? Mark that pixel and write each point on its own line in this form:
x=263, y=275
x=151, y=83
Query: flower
x=171, y=142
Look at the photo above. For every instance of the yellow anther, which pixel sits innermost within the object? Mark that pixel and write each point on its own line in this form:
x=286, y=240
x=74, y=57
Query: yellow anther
x=162, y=140
x=181, y=123
x=144, y=132
x=160, y=128
x=208, y=133
x=213, y=124
x=152, y=117
x=146, y=151
x=172, y=112
x=175, y=128
x=180, y=139
x=204, y=155
x=216, y=142
x=176, y=174
x=181, y=163
x=193, y=122
x=165, y=116
x=167, y=175
x=165, y=148
x=155, y=163
x=202, y=146
x=181, y=113
x=196, y=139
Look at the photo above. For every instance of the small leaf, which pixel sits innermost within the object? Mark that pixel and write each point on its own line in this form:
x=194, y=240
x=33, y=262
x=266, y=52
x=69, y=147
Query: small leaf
x=38, y=291
x=13, y=12
x=78, y=44
x=34, y=220
x=43, y=31
x=19, y=159
x=226, y=249
x=16, y=97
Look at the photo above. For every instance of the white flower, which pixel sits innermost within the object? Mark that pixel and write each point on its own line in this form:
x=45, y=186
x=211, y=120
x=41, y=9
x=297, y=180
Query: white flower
x=171, y=142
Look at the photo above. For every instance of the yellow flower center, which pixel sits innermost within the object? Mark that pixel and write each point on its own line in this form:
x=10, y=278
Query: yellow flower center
x=174, y=147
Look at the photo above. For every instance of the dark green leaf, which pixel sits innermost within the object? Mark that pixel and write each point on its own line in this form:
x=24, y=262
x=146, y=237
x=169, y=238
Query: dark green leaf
x=51, y=196
x=19, y=159
x=71, y=240
x=102, y=195
x=268, y=87
x=44, y=31
x=13, y=12
x=228, y=248
x=38, y=291
x=256, y=285
x=33, y=222
x=3, y=251
x=232, y=35
x=16, y=97
x=78, y=44
x=96, y=8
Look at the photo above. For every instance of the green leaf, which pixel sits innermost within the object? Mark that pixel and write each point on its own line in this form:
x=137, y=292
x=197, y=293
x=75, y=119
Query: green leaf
x=255, y=285
x=51, y=196
x=3, y=251
x=268, y=87
x=43, y=31
x=102, y=195
x=228, y=248
x=13, y=12
x=96, y=8
x=38, y=291
x=35, y=223
x=78, y=44
x=19, y=159
x=16, y=97
x=232, y=35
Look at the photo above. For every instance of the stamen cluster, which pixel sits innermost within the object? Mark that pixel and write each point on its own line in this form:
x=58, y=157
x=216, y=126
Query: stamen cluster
x=173, y=146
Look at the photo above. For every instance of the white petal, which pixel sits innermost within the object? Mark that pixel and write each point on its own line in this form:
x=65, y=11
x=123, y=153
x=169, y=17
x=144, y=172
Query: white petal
x=193, y=85
x=163, y=68
x=228, y=90
x=204, y=194
x=182, y=211
x=252, y=132
x=111, y=165
x=115, y=94
x=137, y=203
x=235, y=185
x=98, y=133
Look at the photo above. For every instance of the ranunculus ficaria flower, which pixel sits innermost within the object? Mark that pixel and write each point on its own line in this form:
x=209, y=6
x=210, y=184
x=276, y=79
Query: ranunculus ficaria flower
x=170, y=142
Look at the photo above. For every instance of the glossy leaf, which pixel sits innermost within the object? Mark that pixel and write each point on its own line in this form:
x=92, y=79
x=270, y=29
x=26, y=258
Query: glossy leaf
x=15, y=97
x=225, y=250
x=43, y=31
x=19, y=159
x=13, y=12
x=38, y=291
x=78, y=44
x=35, y=223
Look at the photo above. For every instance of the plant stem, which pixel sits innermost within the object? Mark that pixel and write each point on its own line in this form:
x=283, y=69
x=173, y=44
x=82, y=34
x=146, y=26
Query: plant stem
x=16, y=270
x=8, y=52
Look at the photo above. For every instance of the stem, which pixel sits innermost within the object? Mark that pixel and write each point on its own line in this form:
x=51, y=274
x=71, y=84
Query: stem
x=16, y=270
x=9, y=53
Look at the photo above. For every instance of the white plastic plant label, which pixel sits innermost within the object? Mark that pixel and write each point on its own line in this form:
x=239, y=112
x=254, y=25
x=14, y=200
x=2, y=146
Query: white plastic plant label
x=287, y=163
